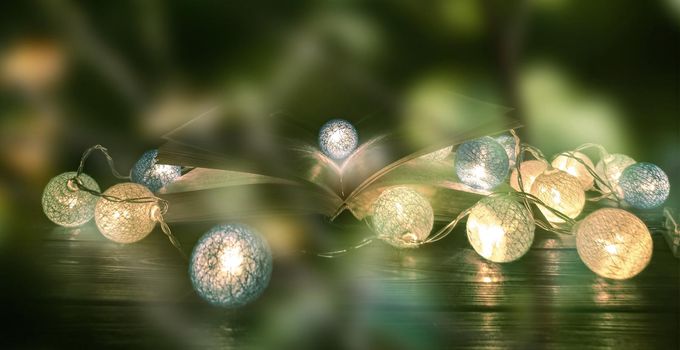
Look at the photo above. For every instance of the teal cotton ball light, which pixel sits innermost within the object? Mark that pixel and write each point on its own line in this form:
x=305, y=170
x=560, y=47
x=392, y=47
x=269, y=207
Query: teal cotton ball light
x=67, y=205
x=154, y=176
x=644, y=185
x=230, y=266
x=481, y=163
x=338, y=139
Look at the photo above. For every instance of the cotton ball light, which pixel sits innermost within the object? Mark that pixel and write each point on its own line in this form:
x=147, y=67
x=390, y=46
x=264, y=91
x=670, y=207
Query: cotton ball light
x=508, y=143
x=155, y=176
x=402, y=217
x=574, y=168
x=613, y=243
x=560, y=191
x=438, y=155
x=500, y=229
x=67, y=205
x=644, y=185
x=610, y=169
x=530, y=171
x=481, y=163
x=230, y=265
x=126, y=222
x=338, y=138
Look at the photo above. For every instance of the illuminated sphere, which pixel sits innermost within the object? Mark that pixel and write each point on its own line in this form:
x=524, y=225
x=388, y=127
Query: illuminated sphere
x=126, y=222
x=530, y=171
x=481, y=163
x=230, y=265
x=613, y=243
x=338, y=138
x=508, y=143
x=500, y=229
x=644, y=185
x=574, y=168
x=402, y=217
x=560, y=191
x=610, y=169
x=65, y=204
x=438, y=155
x=154, y=176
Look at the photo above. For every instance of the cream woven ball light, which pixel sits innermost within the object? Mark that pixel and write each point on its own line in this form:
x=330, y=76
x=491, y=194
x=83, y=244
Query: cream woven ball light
x=610, y=169
x=614, y=243
x=338, y=138
x=67, y=205
x=126, y=222
x=530, y=171
x=575, y=168
x=402, y=217
x=560, y=191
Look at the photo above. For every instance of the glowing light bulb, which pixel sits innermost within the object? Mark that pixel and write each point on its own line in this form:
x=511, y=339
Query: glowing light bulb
x=65, y=204
x=530, y=171
x=613, y=243
x=402, y=217
x=126, y=222
x=560, y=191
x=481, y=163
x=155, y=176
x=438, y=155
x=500, y=229
x=644, y=185
x=231, y=265
x=574, y=168
x=610, y=169
x=508, y=143
x=338, y=138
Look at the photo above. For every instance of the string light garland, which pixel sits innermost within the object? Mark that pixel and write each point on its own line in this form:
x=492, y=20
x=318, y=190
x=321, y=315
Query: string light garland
x=338, y=139
x=154, y=176
x=610, y=168
x=126, y=221
x=560, y=191
x=530, y=171
x=402, y=217
x=481, y=163
x=230, y=265
x=64, y=204
x=500, y=229
x=644, y=185
x=569, y=163
x=613, y=243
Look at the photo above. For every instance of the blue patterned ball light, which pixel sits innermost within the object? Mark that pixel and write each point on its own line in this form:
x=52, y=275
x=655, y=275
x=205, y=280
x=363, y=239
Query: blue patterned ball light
x=230, y=266
x=481, y=163
x=508, y=143
x=154, y=176
x=644, y=185
x=338, y=139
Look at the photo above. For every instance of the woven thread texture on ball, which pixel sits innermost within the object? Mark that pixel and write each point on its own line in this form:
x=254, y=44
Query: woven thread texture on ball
x=402, y=217
x=125, y=222
x=508, y=143
x=614, y=243
x=231, y=266
x=338, y=138
x=560, y=191
x=530, y=171
x=575, y=168
x=500, y=229
x=610, y=169
x=67, y=205
x=644, y=185
x=155, y=176
x=481, y=163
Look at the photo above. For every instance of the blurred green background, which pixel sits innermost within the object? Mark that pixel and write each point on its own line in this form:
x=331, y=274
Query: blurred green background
x=123, y=73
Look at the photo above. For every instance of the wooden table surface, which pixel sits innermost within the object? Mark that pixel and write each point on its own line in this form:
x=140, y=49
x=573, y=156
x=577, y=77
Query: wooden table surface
x=85, y=291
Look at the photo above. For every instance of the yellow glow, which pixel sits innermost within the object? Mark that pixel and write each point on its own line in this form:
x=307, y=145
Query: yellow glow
x=574, y=168
x=231, y=260
x=560, y=191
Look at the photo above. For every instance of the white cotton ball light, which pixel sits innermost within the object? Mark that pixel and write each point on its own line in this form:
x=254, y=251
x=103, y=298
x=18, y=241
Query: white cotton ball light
x=560, y=191
x=126, y=222
x=230, y=266
x=610, y=169
x=575, y=168
x=530, y=170
x=613, y=243
x=338, y=139
x=500, y=229
x=67, y=205
x=402, y=217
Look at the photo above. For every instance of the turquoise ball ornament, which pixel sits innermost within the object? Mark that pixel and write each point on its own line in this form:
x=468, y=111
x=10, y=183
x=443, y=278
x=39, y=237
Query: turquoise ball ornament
x=230, y=266
x=154, y=176
x=644, y=185
x=338, y=139
x=482, y=163
x=65, y=204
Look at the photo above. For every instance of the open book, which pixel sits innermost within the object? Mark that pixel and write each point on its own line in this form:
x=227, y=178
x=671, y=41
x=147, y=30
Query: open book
x=272, y=165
